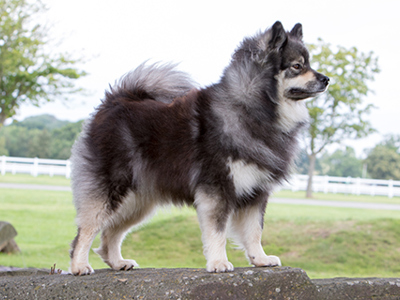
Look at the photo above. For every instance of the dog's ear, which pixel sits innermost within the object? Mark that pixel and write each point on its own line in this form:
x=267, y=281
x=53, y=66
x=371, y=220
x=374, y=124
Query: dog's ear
x=278, y=36
x=297, y=32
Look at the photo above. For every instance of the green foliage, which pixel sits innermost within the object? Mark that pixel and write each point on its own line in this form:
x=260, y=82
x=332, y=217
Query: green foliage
x=340, y=113
x=17, y=140
x=63, y=138
x=3, y=150
x=342, y=163
x=29, y=70
x=41, y=122
x=24, y=139
x=392, y=142
x=303, y=164
x=383, y=161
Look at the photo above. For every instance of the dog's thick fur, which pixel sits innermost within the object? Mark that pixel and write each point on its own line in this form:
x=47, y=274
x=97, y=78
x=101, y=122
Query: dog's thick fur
x=156, y=139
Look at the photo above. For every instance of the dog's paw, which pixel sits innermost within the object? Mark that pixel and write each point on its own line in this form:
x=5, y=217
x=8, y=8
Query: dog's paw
x=81, y=270
x=266, y=261
x=124, y=265
x=219, y=266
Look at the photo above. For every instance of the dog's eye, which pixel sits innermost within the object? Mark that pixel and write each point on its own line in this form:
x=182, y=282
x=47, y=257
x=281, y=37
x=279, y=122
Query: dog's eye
x=297, y=67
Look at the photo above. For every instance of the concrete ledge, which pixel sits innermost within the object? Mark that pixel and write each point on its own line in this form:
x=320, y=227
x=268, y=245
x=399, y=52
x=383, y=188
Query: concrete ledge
x=243, y=283
x=359, y=288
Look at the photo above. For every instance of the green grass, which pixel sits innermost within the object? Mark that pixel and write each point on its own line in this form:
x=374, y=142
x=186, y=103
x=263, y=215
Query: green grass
x=29, y=179
x=62, y=181
x=44, y=221
x=325, y=242
x=338, y=197
x=335, y=242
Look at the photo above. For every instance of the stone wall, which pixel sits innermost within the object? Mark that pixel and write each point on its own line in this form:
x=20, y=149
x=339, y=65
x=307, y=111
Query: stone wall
x=243, y=283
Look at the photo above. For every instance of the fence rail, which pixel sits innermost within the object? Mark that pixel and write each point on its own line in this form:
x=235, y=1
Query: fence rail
x=35, y=166
x=325, y=184
x=346, y=185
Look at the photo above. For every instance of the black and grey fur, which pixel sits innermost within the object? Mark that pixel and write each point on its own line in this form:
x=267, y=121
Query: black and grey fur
x=156, y=139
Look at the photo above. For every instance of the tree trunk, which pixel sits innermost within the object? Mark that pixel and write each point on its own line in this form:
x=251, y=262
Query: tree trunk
x=2, y=119
x=312, y=158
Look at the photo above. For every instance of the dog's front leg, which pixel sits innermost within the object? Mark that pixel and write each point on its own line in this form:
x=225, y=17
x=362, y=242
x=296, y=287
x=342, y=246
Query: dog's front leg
x=246, y=227
x=213, y=226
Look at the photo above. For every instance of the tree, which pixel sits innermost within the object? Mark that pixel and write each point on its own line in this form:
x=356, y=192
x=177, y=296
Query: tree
x=29, y=70
x=41, y=122
x=392, y=142
x=33, y=138
x=339, y=113
x=303, y=164
x=383, y=161
x=39, y=144
x=63, y=139
x=16, y=140
x=342, y=163
x=3, y=150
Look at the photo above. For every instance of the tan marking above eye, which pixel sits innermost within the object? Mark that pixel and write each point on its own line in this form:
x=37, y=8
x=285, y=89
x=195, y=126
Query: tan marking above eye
x=308, y=76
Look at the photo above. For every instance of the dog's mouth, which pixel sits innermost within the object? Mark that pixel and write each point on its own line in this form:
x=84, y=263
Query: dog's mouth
x=301, y=94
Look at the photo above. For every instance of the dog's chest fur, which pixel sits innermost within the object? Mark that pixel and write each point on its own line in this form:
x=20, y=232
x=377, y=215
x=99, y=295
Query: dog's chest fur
x=247, y=177
x=268, y=153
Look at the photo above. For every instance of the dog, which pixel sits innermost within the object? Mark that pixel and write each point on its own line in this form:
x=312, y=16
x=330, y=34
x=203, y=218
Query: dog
x=157, y=139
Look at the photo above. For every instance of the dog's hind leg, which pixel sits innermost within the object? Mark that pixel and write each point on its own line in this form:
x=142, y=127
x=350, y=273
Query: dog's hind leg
x=110, y=249
x=92, y=217
x=213, y=228
x=129, y=214
x=246, y=228
x=80, y=250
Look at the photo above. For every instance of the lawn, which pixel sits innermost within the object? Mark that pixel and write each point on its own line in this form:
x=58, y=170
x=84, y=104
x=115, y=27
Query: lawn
x=29, y=179
x=325, y=242
x=338, y=197
x=62, y=181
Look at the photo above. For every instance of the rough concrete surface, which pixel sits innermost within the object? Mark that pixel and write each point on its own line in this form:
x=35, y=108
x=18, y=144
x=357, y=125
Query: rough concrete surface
x=243, y=283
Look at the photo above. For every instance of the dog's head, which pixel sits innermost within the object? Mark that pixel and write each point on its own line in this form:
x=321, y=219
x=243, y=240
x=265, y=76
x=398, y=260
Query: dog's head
x=298, y=80
x=283, y=55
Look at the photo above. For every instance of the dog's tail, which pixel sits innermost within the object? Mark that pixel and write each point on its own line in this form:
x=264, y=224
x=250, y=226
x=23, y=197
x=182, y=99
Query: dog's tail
x=161, y=82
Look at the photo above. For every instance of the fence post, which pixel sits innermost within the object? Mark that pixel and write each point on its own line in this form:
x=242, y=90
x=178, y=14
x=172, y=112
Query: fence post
x=3, y=165
x=293, y=183
x=326, y=184
x=68, y=169
x=358, y=186
x=35, y=168
x=348, y=188
x=372, y=189
x=390, y=185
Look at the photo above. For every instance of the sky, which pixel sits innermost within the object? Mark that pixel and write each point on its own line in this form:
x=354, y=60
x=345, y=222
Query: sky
x=116, y=36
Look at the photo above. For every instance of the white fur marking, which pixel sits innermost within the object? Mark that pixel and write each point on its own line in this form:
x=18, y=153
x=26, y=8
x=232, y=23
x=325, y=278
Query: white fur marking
x=247, y=176
x=290, y=112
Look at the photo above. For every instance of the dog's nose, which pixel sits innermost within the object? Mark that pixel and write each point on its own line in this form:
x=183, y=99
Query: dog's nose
x=324, y=79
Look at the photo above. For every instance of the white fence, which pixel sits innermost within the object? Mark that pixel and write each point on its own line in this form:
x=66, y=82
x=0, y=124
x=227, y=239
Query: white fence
x=35, y=166
x=325, y=184
x=346, y=185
